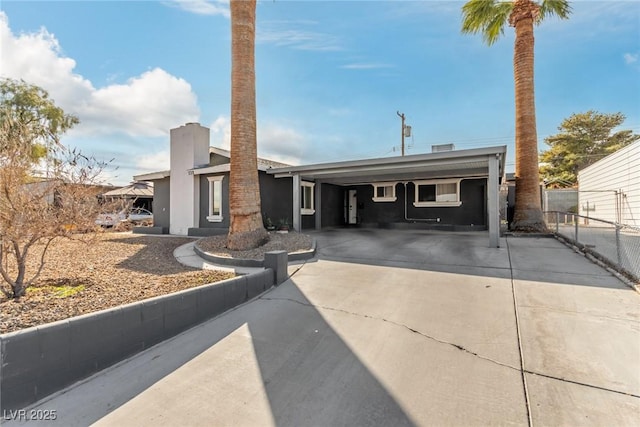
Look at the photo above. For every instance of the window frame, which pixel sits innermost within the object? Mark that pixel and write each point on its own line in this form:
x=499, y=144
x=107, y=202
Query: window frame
x=307, y=210
x=391, y=198
x=436, y=203
x=212, y=183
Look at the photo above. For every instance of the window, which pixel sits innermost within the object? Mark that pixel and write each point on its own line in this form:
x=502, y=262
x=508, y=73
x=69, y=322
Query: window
x=215, y=198
x=445, y=192
x=306, y=199
x=384, y=192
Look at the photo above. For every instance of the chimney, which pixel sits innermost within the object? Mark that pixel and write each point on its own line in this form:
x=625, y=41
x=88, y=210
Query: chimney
x=189, y=149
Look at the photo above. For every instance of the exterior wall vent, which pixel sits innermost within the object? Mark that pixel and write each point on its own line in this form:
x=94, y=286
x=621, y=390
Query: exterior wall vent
x=442, y=147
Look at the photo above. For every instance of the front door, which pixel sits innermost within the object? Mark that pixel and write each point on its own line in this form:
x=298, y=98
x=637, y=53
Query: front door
x=351, y=206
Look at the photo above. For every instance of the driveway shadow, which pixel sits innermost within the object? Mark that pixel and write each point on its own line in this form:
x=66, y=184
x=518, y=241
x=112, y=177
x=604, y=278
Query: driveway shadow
x=273, y=361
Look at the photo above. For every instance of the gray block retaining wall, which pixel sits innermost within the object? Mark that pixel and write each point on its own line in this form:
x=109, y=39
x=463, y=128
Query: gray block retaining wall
x=39, y=361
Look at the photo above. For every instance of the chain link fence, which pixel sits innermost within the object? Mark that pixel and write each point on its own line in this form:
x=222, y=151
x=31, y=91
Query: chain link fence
x=616, y=244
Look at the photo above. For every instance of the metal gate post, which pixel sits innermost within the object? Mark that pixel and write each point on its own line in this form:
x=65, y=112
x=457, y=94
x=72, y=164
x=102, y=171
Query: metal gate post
x=618, y=245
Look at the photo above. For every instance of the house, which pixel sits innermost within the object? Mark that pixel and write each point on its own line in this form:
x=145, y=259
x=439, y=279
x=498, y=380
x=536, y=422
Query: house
x=138, y=194
x=192, y=197
x=449, y=190
x=609, y=189
x=48, y=189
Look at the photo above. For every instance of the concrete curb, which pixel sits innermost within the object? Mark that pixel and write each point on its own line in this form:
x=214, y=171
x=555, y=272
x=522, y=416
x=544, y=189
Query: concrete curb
x=240, y=262
x=39, y=361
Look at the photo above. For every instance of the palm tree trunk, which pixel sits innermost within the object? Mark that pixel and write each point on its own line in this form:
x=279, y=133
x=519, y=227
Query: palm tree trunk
x=528, y=213
x=246, y=229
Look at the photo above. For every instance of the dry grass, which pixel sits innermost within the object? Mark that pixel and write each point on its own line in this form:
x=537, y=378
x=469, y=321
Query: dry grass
x=108, y=271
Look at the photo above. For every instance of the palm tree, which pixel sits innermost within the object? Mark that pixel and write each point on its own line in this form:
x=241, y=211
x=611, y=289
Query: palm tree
x=246, y=229
x=488, y=17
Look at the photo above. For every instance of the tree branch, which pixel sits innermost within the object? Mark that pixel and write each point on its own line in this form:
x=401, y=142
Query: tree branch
x=44, y=252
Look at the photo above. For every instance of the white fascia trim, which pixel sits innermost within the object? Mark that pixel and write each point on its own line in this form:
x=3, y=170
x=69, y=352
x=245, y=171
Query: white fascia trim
x=434, y=204
x=211, y=217
x=437, y=204
x=391, y=198
x=225, y=167
x=306, y=211
x=152, y=176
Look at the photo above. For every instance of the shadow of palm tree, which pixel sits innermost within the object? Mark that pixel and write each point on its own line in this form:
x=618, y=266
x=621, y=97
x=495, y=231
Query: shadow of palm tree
x=155, y=256
x=307, y=373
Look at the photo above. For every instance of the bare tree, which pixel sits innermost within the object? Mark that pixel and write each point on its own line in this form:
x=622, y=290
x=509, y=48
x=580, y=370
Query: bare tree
x=35, y=210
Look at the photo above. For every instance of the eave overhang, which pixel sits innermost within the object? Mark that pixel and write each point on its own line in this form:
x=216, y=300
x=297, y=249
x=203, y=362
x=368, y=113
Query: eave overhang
x=450, y=164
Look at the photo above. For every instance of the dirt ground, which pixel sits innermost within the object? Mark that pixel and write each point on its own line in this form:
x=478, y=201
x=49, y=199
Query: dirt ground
x=107, y=271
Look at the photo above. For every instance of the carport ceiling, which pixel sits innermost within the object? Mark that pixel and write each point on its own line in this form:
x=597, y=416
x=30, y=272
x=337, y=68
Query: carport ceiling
x=462, y=163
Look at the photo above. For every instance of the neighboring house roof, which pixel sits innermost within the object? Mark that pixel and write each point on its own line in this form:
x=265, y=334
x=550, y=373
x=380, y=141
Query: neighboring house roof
x=448, y=164
x=136, y=189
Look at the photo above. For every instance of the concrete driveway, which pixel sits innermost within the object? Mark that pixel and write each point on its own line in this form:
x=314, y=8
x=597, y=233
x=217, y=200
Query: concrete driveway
x=396, y=328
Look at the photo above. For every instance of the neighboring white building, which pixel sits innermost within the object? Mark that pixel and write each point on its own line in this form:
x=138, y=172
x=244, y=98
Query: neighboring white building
x=610, y=188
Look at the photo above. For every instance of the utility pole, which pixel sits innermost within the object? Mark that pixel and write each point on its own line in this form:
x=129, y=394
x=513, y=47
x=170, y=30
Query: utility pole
x=402, y=132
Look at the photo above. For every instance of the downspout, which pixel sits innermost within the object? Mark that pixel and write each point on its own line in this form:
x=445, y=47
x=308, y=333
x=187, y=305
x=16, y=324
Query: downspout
x=414, y=219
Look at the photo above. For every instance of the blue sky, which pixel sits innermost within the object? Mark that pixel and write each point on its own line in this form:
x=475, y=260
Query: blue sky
x=330, y=75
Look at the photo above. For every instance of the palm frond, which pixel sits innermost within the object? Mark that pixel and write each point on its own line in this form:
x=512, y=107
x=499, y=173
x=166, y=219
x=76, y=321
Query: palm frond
x=487, y=17
x=559, y=8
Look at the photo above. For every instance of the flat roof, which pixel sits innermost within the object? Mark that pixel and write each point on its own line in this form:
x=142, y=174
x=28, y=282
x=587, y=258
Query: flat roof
x=152, y=176
x=447, y=164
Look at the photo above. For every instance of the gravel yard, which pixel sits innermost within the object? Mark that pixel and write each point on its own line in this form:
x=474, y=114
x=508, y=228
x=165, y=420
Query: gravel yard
x=291, y=242
x=110, y=270
x=113, y=269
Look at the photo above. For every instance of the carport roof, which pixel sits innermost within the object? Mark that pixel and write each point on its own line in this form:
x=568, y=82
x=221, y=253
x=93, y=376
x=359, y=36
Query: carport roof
x=448, y=164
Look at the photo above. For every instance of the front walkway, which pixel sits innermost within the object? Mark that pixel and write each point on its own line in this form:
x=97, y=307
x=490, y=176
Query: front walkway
x=393, y=328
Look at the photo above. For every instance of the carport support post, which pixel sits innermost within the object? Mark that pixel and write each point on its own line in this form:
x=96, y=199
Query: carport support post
x=317, y=199
x=296, y=203
x=493, y=203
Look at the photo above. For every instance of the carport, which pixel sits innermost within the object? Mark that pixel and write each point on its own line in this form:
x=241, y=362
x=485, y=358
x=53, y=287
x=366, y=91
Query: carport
x=420, y=171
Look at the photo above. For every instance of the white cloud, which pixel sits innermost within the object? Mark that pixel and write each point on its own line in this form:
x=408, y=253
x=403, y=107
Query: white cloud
x=202, y=7
x=275, y=142
x=280, y=33
x=221, y=132
x=153, y=162
x=37, y=58
x=281, y=144
x=147, y=105
x=630, y=58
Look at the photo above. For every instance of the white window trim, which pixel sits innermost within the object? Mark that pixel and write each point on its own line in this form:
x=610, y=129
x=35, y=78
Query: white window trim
x=392, y=198
x=436, y=203
x=305, y=211
x=211, y=217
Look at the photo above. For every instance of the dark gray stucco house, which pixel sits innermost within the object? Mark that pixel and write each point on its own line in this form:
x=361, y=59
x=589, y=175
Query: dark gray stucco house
x=451, y=190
